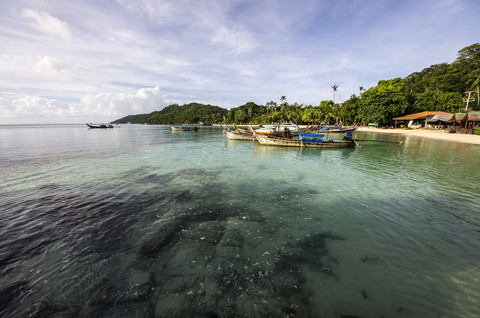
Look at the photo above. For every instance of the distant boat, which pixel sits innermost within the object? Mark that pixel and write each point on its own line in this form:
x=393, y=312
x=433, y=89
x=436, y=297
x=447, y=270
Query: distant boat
x=99, y=125
x=305, y=140
x=183, y=128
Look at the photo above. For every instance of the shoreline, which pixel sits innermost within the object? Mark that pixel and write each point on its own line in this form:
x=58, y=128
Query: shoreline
x=439, y=134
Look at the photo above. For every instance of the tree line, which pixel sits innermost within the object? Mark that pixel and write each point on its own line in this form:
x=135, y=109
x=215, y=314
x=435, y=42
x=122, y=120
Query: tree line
x=439, y=87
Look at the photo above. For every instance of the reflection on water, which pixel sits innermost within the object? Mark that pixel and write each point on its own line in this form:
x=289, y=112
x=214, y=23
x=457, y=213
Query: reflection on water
x=140, y=221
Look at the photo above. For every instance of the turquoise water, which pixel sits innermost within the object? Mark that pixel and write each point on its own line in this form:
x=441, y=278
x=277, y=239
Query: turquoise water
x=139, y=221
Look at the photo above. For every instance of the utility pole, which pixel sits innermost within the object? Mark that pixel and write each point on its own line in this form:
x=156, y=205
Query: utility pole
x=469, y=99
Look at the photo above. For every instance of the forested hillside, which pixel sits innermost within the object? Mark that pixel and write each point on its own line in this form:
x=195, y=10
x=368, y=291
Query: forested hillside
x=438, y=87
x=190, y=113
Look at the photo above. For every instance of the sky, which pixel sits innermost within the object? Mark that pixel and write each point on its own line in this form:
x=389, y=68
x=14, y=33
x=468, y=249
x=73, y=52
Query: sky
x=96, y=61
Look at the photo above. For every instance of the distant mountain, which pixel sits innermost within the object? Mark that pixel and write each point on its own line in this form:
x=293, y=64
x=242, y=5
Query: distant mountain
x=129, y=119
x=192, y=113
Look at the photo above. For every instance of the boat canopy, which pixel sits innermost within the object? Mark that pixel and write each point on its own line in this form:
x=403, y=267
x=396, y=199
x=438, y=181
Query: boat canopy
x=312, y=135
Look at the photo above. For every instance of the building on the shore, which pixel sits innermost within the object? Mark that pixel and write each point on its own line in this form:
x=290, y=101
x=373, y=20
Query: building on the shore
x=474, y=119
x=440, y=121
x=463, y=123
x=419, y=120
x=466, y=123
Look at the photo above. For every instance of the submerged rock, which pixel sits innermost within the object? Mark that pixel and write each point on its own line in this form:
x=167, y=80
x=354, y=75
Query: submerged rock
x=132, y=285
x=161, y=237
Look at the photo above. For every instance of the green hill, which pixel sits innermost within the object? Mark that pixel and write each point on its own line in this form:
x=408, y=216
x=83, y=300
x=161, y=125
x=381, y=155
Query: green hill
x=192, y=113
x=129, y=119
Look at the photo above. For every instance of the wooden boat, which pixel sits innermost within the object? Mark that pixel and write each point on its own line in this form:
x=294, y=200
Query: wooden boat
x=99, y=125
x=271, y=130
x=237, y=134
x=307, y=141
x=332, y=129
x=183, y=128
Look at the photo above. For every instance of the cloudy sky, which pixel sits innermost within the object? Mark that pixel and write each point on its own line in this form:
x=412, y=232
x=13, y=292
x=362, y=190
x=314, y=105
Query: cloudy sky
x=86, y=60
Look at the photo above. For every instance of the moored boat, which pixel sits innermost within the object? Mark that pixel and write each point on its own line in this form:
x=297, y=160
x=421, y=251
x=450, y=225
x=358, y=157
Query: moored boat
x=305, y=140
x=332, y=129
x=183, y=128
x=237, y=134
x=99, y=125
x=271, y=130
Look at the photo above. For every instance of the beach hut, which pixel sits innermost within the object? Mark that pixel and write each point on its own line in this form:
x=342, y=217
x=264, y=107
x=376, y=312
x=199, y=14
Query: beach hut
x=473, y=120
x=417, y=120
x=440, y=121
x=466, y=123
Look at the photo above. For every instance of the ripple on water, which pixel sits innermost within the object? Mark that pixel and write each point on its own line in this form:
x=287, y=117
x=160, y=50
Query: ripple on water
x=156, y=224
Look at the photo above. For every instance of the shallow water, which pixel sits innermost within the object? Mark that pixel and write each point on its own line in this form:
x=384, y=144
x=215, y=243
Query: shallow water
x=142, y=221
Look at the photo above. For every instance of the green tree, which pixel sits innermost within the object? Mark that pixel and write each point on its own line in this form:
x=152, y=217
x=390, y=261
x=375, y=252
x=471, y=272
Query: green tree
x=349, y=110
x=381, y=103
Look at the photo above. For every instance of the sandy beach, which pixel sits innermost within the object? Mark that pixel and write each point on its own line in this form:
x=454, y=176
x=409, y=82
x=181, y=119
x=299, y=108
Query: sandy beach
x=427, y=133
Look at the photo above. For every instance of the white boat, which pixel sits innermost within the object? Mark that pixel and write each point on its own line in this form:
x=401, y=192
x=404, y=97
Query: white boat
x=237, y=134
x=270, y=130
x=183, y=128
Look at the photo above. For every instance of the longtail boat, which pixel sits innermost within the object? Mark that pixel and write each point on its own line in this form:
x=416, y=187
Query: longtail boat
x=271, y=130
x=183, y=128
x=305, y=140
x=99, y=125
x=237, y=134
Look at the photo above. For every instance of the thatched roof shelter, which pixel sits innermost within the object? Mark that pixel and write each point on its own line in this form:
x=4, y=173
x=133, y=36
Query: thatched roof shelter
x=460, y=116
x=441, y=117
x=473, y=116
x=423, y=117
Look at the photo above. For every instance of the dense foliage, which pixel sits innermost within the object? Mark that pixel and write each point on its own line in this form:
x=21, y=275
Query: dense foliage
x=439, y=87
x=130, y=119
x=190, y=113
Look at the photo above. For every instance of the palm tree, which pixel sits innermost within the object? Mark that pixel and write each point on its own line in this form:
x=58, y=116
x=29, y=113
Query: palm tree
x=271, y=105
x=335, y=86
x=361, y=89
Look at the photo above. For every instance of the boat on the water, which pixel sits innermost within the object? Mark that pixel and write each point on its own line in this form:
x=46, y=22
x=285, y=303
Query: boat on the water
x=183, y=128
x=99, y=125
x=280, y=128
x=237, y=134
x=331, y=129
x=306, y=140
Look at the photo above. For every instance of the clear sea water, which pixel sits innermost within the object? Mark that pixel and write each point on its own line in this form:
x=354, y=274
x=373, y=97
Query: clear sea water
x=139, y=221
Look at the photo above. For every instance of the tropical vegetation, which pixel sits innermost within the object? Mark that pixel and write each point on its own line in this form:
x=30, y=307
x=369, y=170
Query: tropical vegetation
x=439, y=87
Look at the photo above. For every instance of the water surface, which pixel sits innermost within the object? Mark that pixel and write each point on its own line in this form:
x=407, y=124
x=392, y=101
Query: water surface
x=141, y=221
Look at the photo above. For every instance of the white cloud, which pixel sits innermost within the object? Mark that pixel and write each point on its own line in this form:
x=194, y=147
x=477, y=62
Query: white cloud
x=48, y=65
x=48, y=24
x=92, y=53
x=45, y=65
x=100, y=107
x=236, y=41
x=146, y=100
x=35, y=107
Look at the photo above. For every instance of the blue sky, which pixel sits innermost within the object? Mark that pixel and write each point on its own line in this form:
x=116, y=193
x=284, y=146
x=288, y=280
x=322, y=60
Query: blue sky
x=78, y=61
